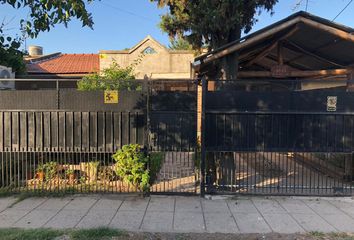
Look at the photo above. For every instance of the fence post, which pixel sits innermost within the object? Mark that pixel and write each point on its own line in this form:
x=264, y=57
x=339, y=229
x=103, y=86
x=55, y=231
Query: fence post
x=202, y=139
x=58, y=94
x=147, y=125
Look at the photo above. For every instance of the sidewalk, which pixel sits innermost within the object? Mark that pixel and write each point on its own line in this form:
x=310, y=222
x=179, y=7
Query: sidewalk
x=182, y=214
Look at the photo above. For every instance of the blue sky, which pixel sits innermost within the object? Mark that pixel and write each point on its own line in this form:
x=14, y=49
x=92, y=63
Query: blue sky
x=121, y=24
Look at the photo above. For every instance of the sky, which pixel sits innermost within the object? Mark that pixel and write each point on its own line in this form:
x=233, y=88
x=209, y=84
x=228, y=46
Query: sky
x=121, y=24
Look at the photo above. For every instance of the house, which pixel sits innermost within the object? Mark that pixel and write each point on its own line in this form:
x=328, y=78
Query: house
x=151, y=60
x=301, y=46
x=156, y=61
x=66, y=67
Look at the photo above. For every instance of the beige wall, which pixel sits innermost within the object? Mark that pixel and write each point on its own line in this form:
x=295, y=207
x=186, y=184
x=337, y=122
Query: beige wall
x=162, y=64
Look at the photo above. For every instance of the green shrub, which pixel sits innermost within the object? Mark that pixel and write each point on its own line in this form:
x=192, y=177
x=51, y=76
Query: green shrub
x=50, y=169
x=155, y=162
x=131, y=166
x=105, y=173
x=69, y=171
x=111, y=78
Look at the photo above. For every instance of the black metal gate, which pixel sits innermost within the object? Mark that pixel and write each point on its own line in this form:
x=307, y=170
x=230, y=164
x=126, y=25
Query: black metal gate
x=277, y=138
x=74, y=133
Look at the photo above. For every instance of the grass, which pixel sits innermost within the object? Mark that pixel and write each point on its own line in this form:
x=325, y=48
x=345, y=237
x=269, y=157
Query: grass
x=35, y=234
x=333, y=236
x=50, y=234
x=93, y=234
x=316, y=234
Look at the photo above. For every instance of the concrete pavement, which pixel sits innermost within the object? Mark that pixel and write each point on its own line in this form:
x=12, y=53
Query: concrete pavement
x=182, y=214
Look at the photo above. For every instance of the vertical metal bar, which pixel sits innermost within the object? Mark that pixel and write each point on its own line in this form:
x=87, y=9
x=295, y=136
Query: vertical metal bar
x=19, y=173
x=73, y=131
x=104, y=132
x=112, y=132
x=58, y=94
x=2, y=151
x=121, y=130
x=11, y=149
x=89, y=132
x=64, y=126
x=203, y=147
x=80, y=133
x=96, y=132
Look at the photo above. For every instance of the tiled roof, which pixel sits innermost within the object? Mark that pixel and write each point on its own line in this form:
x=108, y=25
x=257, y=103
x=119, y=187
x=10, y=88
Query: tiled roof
x=66, y=64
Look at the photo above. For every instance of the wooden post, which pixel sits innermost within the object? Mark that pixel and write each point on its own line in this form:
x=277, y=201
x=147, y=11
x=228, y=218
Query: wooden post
x=280, y=53
x=350, y=81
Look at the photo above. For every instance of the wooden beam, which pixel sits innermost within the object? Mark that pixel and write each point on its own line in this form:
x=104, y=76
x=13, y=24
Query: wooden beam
x=262, y=54
x=252, y=40
x=269, y=63
x=268, y=49
x=280, y=53
x=341, y=34
x=313, y=54
x=260, y=37
x=332, y=42
x=268, y=74
x=298, y=66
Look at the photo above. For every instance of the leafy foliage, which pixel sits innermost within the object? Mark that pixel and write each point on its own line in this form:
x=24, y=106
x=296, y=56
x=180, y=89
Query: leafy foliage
x=131, y=166
x=69, y=171
x=180, y=44
x=112, y=78
x=10, y=56
x=155, y=163
x=43, y=15
x=50, y=170
x=211, y=23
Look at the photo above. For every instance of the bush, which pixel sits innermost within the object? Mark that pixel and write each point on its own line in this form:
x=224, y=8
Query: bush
x=131, y=166
x=155, y=162
x=50, y=170
x=112, y=78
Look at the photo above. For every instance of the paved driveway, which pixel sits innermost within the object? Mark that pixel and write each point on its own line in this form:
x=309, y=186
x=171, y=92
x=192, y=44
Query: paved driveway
x=182, y=214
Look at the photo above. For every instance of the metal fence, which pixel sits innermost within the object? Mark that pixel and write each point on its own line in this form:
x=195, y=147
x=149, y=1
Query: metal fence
x=277, y=138
x=63, y=139
x=286, y=137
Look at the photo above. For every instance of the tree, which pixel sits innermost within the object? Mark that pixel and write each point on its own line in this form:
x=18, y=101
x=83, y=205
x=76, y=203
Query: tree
x=43, y=15
x=180, y=44
x=212, y=23
x=10, y=56
x=111, y=78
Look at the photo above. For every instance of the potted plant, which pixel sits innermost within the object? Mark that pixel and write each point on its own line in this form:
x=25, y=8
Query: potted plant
x=40, y=172
x=50, y=169
x=70, y=173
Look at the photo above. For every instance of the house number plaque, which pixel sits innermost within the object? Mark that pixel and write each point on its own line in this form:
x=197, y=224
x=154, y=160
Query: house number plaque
x=332, y=103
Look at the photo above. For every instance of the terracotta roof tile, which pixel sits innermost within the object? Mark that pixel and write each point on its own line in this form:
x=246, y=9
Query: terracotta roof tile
x=66, y=64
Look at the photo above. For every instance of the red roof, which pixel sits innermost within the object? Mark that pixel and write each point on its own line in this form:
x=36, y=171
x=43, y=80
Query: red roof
x=66, y=64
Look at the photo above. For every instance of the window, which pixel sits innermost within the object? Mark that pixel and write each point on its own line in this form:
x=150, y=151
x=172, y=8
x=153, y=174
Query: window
x=149, y=50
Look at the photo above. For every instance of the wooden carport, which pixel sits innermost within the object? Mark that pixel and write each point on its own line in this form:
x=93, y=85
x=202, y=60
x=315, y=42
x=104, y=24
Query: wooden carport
x=302, y=46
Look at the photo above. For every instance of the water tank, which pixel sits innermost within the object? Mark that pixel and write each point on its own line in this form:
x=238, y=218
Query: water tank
x=35, y=51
